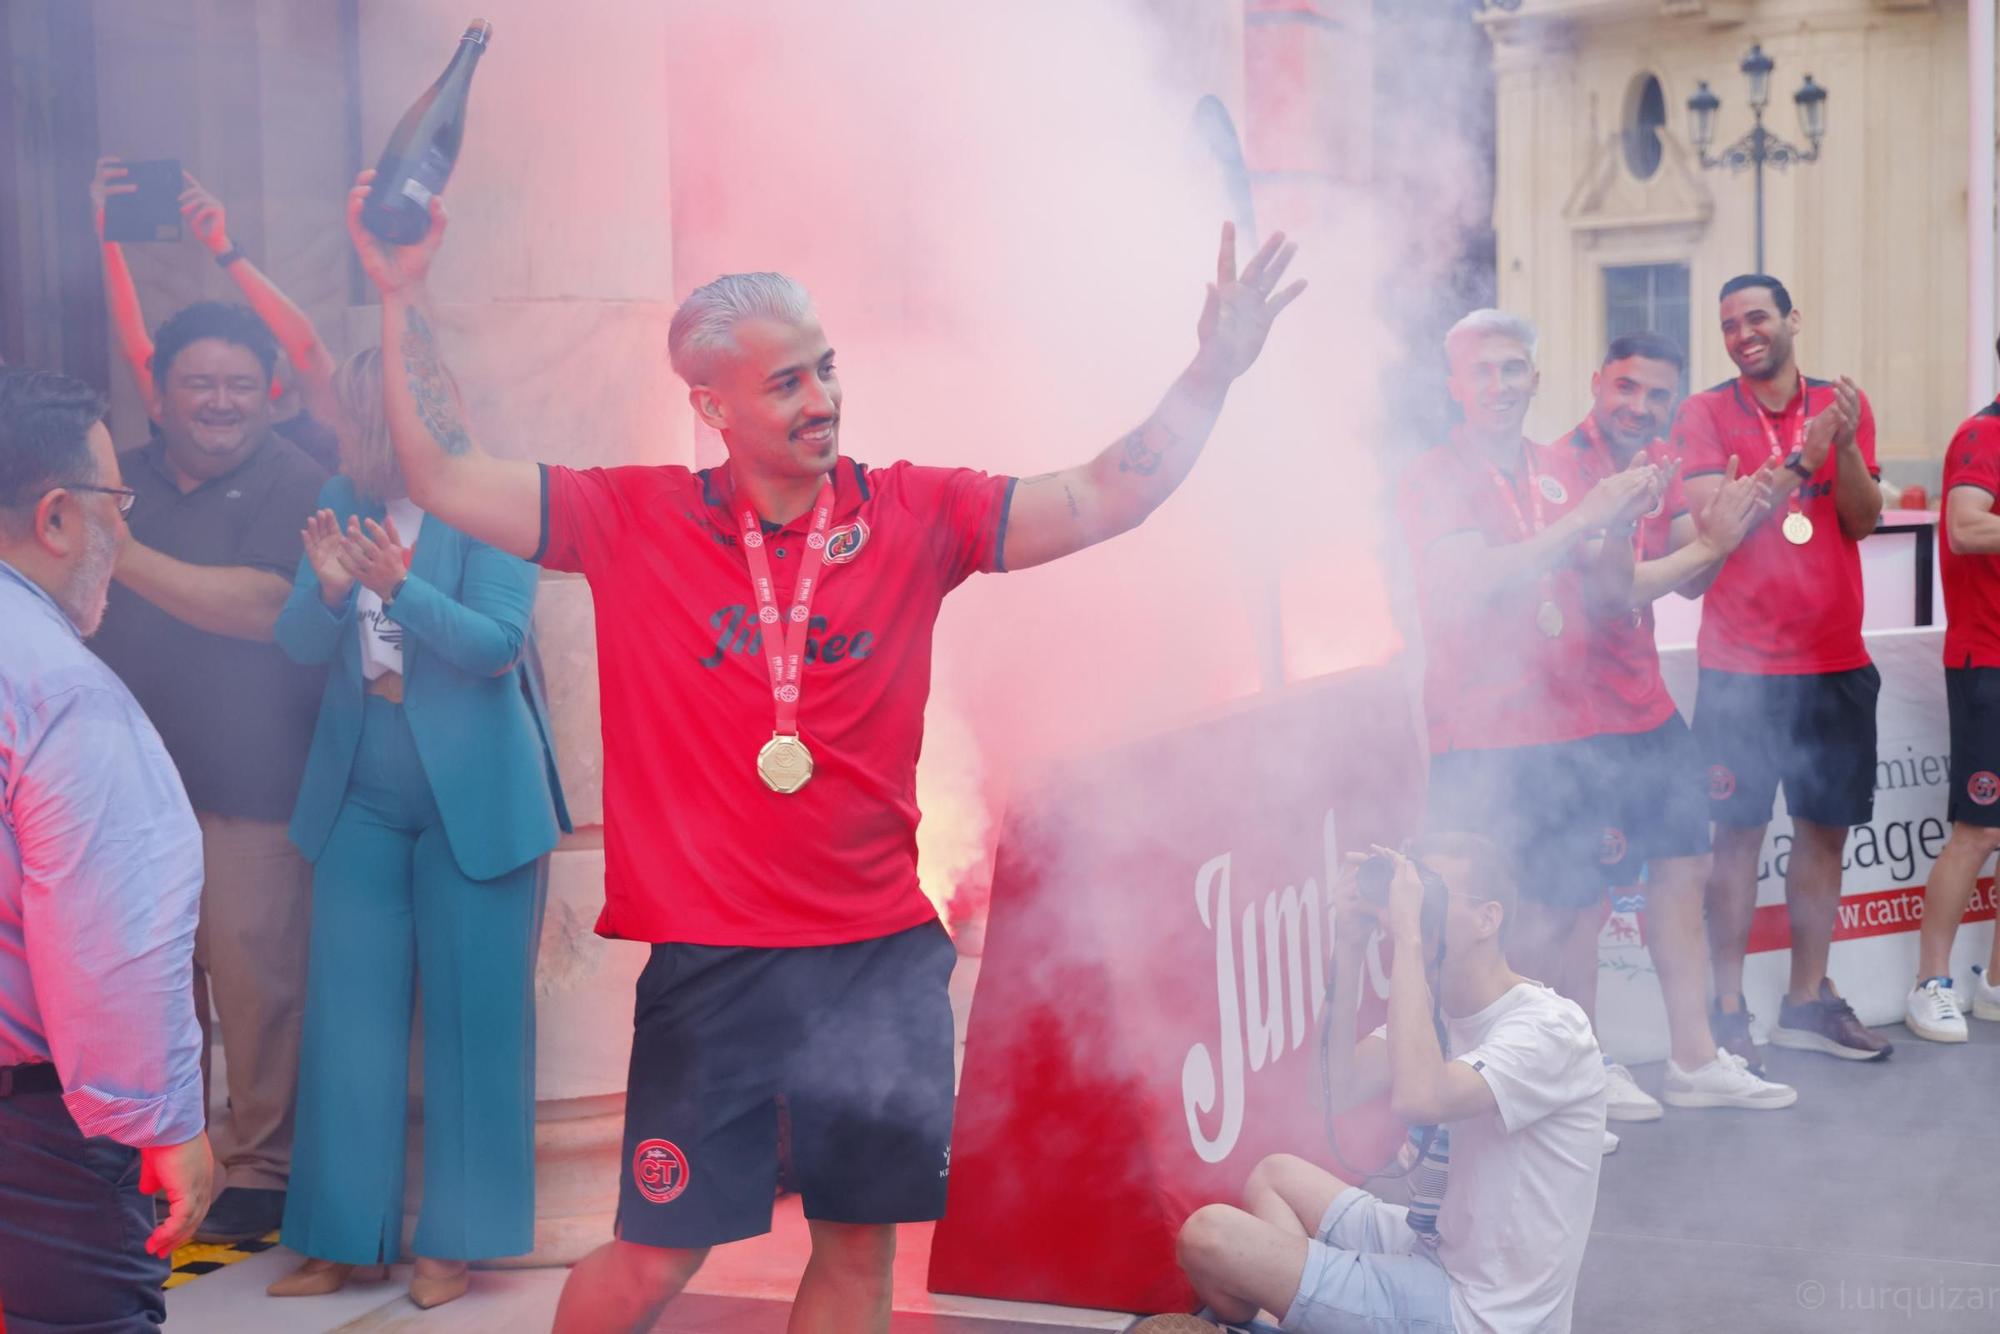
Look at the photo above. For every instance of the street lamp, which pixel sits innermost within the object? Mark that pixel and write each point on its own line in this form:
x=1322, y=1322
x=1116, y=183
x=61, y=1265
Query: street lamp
x=1758, y=147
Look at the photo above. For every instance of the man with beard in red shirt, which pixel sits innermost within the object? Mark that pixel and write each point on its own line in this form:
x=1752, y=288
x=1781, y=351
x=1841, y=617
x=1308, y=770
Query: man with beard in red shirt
x=1651, y=770
x=1787, y=690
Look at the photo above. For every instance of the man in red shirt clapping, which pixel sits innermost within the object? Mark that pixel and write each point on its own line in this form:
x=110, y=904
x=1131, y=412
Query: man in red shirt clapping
x=1787, y=693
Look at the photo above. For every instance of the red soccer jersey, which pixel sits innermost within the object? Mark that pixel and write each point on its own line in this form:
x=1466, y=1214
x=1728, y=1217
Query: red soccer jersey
x=1492, y=676
x=1777, y=609
x=1972, y=583
x=697, y=849
x=1623, y=659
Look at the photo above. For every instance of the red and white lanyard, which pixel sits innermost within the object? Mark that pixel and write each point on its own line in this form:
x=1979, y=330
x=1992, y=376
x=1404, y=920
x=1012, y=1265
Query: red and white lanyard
x=785, y=652
x=1523, y=528
x=1778, y=451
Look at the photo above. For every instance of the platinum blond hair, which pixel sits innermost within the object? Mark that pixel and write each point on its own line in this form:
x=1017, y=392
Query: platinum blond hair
x=1499, y=323
x=705, y=325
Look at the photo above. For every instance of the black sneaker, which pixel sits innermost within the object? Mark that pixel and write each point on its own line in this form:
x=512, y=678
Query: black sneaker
x=242, y=1213
x=1732, y=1032
x=1828, y=1025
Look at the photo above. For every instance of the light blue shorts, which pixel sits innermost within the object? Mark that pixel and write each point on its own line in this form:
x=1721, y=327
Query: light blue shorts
x=1368, y=1273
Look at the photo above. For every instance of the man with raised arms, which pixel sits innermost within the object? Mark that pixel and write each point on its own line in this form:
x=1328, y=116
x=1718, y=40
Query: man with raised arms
x=764, y=638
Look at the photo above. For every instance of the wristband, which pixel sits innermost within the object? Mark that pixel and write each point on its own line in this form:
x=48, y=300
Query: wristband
x=228, y=257
x=395, y=593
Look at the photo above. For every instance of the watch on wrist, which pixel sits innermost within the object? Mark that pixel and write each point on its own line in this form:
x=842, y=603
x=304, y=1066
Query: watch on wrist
x=1797, y=464
x=228, y=257
x=395, y=593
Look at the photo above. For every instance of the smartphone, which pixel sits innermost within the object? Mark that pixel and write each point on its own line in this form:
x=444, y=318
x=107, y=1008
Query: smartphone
x=153, y=211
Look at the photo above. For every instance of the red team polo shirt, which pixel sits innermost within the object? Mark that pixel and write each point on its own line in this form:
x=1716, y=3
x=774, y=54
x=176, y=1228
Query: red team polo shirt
x=1623, y=663
x=1491, y=677
x=697, y=849
x=1972, y=583
x=1777, y=609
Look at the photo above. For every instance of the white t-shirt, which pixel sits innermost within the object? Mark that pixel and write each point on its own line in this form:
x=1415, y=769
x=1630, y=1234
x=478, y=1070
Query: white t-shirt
x=1523, y=1184
x=382, y=638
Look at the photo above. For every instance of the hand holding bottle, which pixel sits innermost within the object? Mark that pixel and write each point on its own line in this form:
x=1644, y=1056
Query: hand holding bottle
x=392, y=268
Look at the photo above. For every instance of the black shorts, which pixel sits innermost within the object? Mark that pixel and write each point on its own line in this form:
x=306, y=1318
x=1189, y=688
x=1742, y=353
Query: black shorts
x=1972, y=694
x=1657, y=791
x=1542, y=805
x=857, y=1037
x=1815, y=734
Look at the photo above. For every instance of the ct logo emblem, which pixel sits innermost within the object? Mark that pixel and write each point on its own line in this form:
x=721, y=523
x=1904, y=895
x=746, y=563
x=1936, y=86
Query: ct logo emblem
x=769, y=615
x=1552, y=491
x=1611, y=849
x=788, y=693
x=815, y=541
x=844, y=543
x=660, y=1170
x=1983, y=787
x=753, y=539
x=1721, y=783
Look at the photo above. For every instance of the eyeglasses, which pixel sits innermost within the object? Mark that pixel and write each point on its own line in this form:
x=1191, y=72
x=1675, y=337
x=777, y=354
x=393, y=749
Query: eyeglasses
x=127, y=497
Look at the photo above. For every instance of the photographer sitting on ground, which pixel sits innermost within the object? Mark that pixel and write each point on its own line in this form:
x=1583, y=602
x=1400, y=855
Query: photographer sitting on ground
x=1522, y=1102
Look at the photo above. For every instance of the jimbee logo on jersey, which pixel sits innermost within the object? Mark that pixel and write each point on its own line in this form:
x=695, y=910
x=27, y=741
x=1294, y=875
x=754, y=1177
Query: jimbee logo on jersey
x=844, y=543
x=1552, y=490
x=660, y=1170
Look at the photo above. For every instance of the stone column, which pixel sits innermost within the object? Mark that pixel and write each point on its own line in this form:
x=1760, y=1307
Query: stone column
x=555, y=290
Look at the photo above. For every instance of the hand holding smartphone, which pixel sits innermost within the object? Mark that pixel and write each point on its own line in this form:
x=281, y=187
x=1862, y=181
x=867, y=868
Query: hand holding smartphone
x=151, y=209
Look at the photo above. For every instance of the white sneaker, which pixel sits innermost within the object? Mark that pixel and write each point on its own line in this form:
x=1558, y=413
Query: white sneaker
x=1931, y=1011
x=1624, y=1099
x=1725, y=1081
x=1985, y=997
x=1610, y=1144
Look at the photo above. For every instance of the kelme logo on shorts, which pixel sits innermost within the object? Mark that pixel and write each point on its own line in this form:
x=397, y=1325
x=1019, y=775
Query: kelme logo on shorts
x=1552, y=490
x=1983, y=787
x=1721, y=783
x=844, y=543
x=660, y=1170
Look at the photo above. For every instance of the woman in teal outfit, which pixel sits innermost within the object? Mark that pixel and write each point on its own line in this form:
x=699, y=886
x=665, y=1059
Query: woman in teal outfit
x=429, y=797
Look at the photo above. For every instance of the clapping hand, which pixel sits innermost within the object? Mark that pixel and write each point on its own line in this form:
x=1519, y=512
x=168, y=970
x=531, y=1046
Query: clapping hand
x=1621, y=499
x=1835, y=425
x=1736, y=507
x=324, y=553
x=375, y=556
x=1238, y=315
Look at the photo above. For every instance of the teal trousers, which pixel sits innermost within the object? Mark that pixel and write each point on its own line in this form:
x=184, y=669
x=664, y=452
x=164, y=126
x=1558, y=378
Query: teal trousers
x=389, y=906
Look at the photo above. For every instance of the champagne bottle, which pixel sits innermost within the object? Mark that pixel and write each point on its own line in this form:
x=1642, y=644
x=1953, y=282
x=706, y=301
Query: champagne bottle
x=423, y=149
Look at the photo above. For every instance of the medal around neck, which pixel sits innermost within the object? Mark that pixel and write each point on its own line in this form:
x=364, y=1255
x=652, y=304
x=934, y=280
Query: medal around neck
x=784, y=764
x=1549, y=619
x=1798, y=529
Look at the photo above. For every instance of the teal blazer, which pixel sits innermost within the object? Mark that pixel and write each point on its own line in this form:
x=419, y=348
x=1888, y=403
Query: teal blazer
x=472, y=701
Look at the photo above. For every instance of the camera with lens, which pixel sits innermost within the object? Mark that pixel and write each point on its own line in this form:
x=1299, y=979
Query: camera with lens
x=1372, y=879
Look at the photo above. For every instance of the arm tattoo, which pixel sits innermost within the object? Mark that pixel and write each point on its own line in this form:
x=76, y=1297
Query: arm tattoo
x=431, y=387
x=1141, y=458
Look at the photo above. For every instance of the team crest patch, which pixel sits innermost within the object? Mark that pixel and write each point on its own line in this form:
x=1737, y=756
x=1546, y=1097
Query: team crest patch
x=660, y=1170
x=1552, y=490
x=844, y=543
x=1721, y=783
x=1983, y=787
x=1611, y=849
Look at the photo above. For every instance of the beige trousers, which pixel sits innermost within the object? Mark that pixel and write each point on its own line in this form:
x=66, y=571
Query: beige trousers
x=250, y=952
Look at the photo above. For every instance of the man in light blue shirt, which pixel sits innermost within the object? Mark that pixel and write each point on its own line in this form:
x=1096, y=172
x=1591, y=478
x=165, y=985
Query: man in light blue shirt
x=100, y=883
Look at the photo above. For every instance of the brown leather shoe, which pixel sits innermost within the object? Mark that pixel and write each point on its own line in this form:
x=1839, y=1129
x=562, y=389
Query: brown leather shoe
x=436, y=1282
x=317, y=1278
x=1828, y=1025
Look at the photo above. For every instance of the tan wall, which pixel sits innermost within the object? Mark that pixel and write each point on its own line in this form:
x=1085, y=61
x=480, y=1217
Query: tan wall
x=1870, y=239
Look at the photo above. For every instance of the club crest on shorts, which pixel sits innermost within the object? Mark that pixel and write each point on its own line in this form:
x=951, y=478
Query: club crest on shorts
x=844, y=543
x=1611, y=848
x=1983, y=787
x=1552, y=490
x=1721, y=783
x=660, y=1170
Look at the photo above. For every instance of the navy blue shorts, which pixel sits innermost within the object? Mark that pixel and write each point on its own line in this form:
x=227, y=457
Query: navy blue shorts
x=1972, y=697
x=858, y=1040
x=1815, y=734
x=1657, y=793
x=1544, y=806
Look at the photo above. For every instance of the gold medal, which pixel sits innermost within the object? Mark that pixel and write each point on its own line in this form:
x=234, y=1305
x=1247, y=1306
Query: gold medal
x=1549, y=619
x=1798, y=529
x=784, y=764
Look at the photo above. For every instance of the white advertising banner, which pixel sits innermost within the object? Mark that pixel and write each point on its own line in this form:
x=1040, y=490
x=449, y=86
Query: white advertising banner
x=1874, y=956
